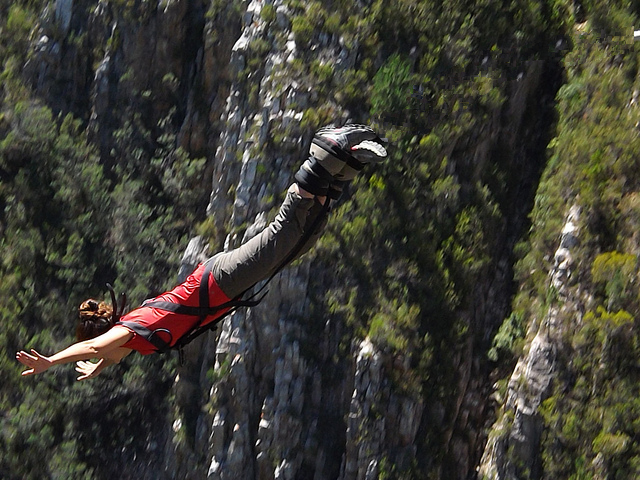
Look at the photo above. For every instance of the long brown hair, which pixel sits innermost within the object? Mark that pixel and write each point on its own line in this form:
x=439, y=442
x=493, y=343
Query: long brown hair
x=95, y=319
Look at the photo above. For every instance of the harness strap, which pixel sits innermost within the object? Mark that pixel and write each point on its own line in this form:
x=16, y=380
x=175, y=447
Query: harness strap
x=255, y=298
x=118, y=310
x=197, y=311
x=150, y=335
x=162, y=346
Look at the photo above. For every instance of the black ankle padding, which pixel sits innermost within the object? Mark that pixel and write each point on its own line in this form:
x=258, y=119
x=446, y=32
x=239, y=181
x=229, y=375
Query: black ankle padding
x=315, y=166
x=311, y=182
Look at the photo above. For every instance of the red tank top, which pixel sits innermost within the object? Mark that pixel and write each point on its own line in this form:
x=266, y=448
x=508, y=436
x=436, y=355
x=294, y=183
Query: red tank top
x=178, y=324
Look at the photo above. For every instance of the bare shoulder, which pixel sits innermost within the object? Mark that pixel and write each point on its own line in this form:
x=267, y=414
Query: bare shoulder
x=120, y=331
x=112, y=339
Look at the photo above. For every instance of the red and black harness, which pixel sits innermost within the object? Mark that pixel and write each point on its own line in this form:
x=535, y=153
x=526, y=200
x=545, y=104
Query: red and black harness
x=204, y=309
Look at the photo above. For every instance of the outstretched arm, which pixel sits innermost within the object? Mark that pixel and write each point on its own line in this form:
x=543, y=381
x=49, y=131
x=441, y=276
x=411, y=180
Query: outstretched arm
x=103, y=346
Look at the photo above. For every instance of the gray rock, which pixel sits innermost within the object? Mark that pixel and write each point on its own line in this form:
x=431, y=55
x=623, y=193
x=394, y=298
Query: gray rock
x=530, y=382
x=64, y=9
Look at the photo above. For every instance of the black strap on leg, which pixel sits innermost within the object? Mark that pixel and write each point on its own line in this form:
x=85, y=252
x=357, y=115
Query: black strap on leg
x=313, y=177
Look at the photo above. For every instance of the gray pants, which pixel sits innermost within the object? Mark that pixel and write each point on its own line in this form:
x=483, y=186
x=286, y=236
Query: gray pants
x=259, y=257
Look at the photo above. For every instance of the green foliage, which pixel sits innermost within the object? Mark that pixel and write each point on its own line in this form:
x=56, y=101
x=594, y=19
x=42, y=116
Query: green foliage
x=392, y=330
x=302, y=30
x=510, y=338
x=392, y=85
x=589, y=417
x=420, y=234
x=268, y=13
x=19, y=22
x=616, y=271
x=53, y=196
x=594, y=415
x=323, y=72
x=258, y=48
x=70, y=221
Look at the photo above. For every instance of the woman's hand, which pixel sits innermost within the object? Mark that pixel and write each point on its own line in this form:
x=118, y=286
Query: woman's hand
x=37, y=363
x=90, y=369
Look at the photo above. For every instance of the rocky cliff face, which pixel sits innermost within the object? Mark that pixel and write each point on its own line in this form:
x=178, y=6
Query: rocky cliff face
x=512, y=450
x=270, y=395
x=276, y=413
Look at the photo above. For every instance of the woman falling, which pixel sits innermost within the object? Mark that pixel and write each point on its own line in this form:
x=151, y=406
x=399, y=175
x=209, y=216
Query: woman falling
x=336, y=156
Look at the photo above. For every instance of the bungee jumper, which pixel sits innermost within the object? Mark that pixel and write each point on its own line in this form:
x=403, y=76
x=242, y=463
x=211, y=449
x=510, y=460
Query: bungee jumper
x=216, y=287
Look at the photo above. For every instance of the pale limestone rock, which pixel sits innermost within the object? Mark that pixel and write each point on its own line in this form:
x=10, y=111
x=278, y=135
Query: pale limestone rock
x=195, y=253
x=530, y=382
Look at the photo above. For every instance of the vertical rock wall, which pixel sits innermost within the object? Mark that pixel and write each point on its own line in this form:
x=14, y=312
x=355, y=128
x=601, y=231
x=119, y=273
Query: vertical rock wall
x=513, y=446
x=263, y=425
